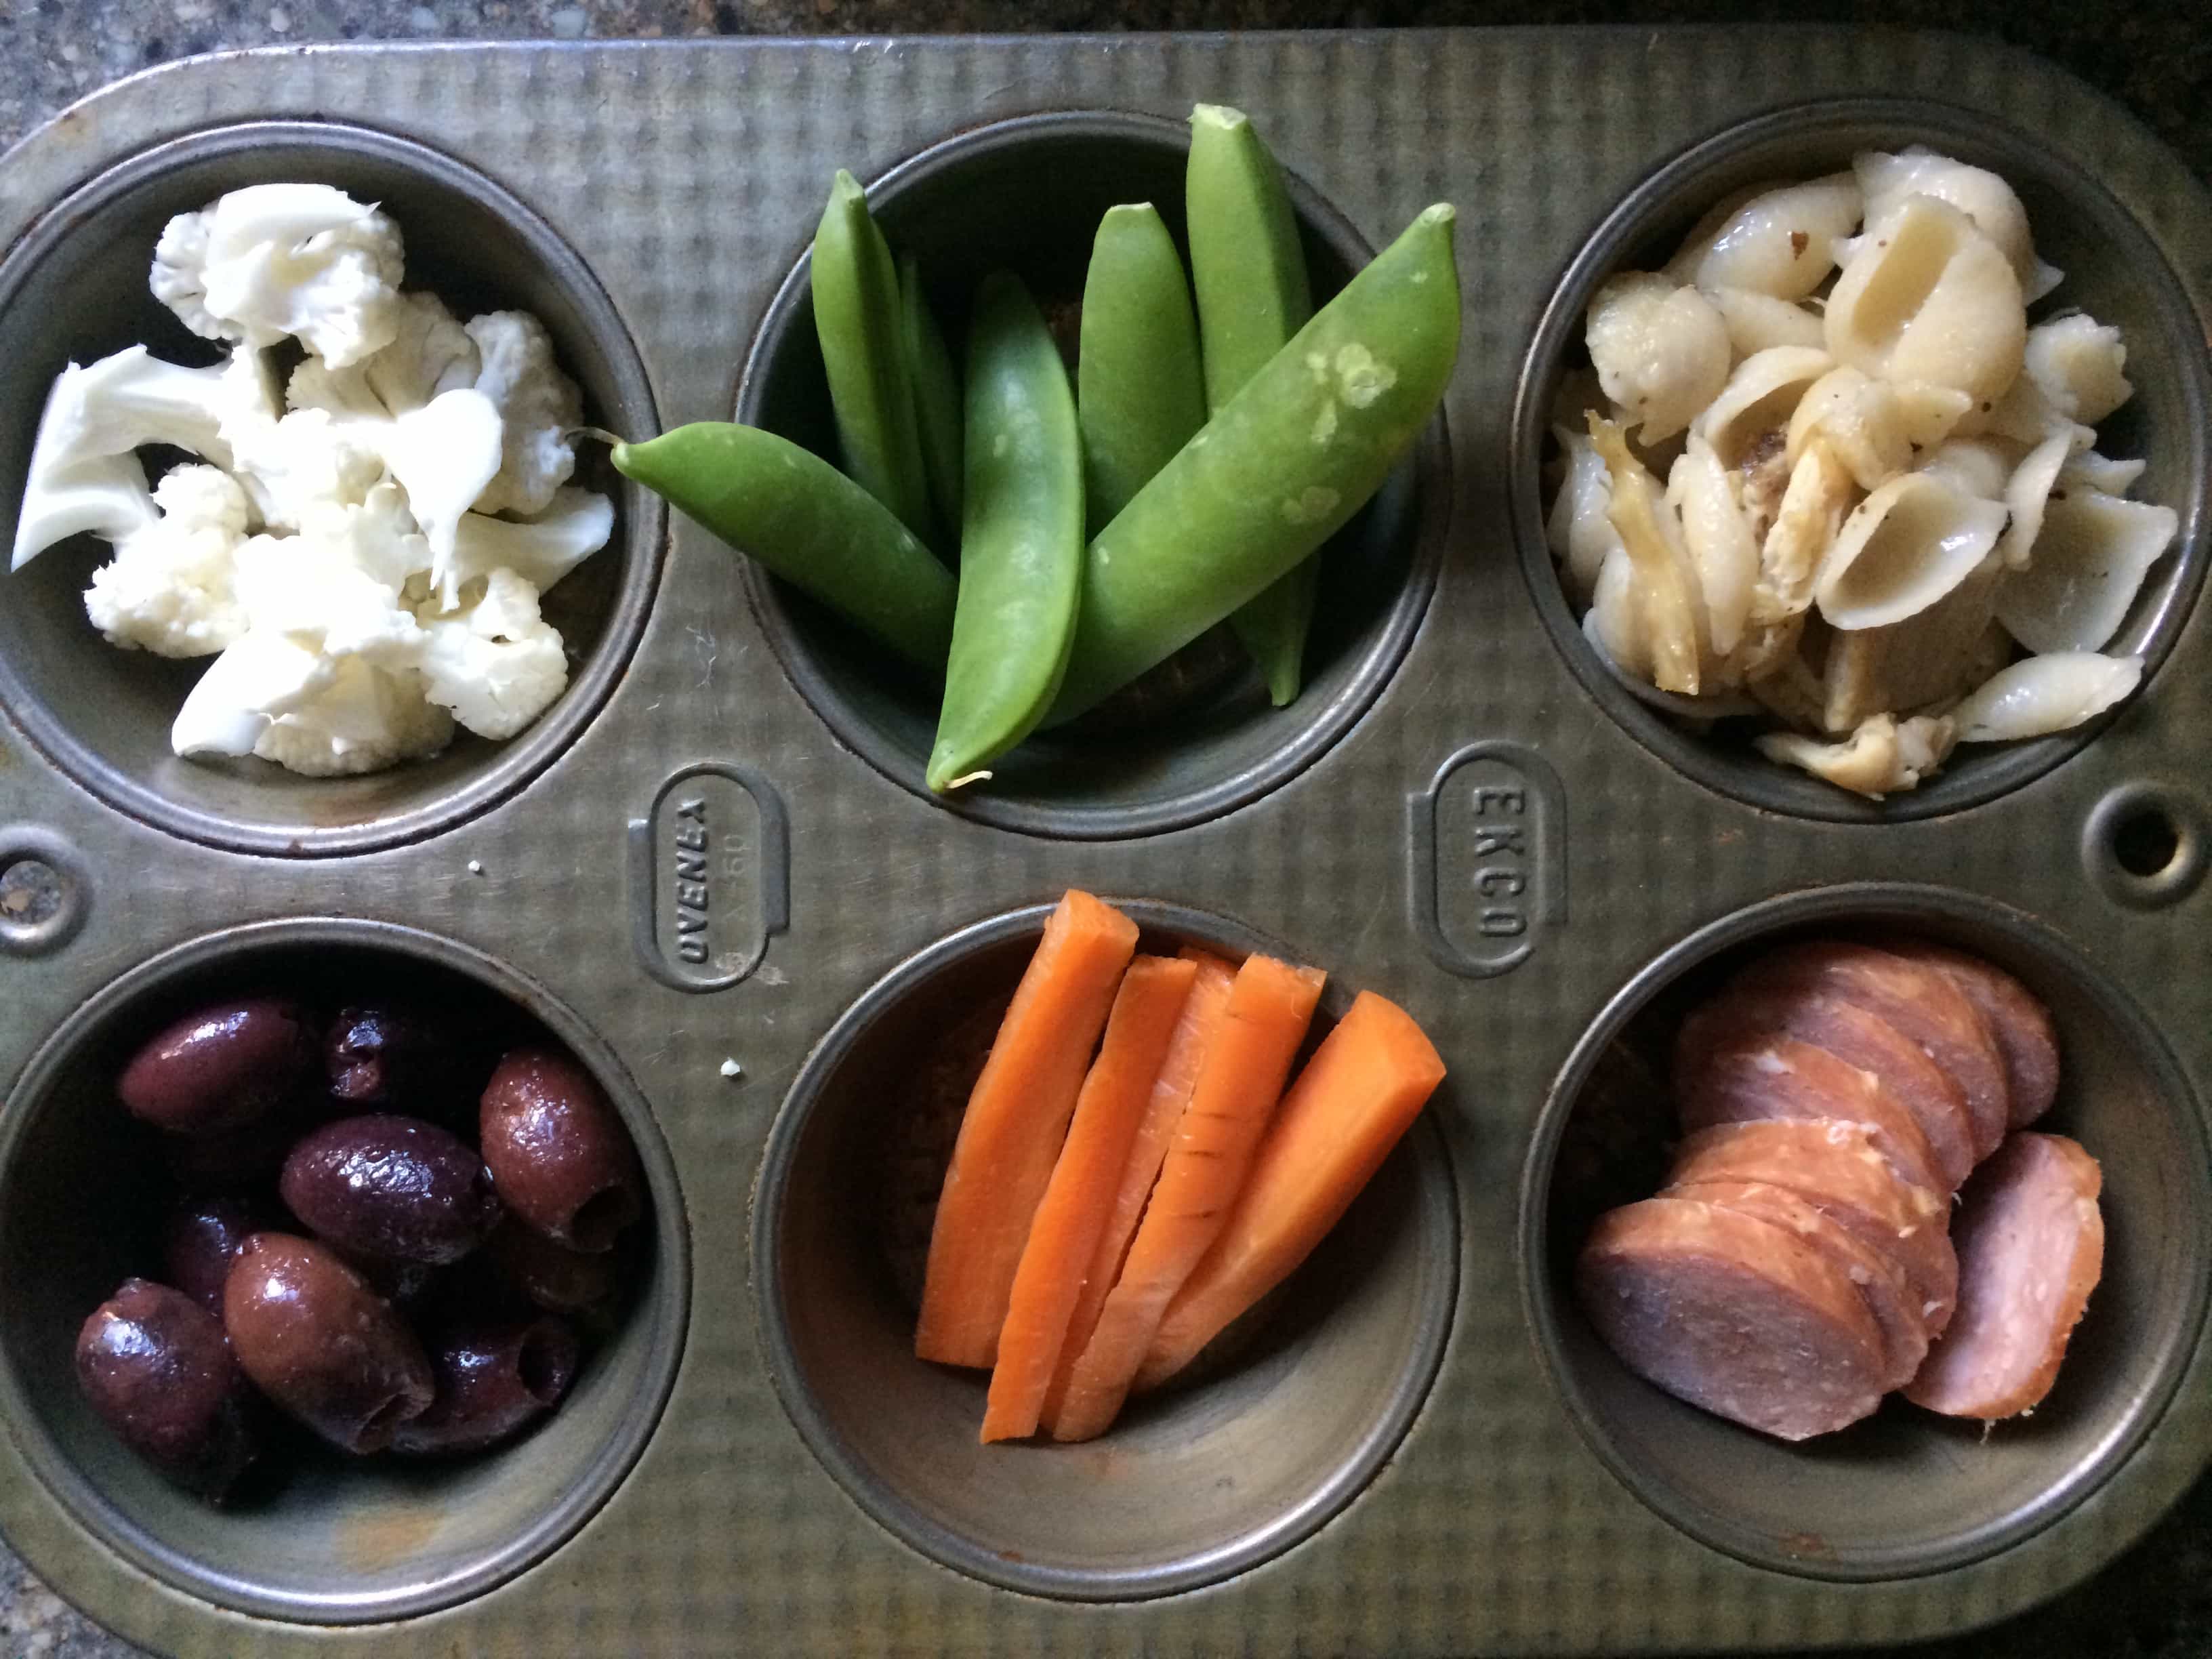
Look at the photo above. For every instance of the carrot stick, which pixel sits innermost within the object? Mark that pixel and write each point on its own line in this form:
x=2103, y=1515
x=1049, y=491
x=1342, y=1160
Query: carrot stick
x=1012, y=1129
x=1178, y=1075
x=1238, y=1084
x=1081, y=1195
x=1357, y=1095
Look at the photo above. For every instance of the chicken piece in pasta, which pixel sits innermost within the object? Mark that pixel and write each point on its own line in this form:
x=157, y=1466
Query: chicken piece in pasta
x=1663, y=594
x=1928, y=297
x=1884, y=754
x=1660, y=349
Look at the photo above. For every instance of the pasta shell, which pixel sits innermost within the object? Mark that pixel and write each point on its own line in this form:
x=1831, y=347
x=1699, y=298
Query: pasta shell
x=2094, y=472
x=1930, y=658
x=2077, y=362
x=1578, y=532
x=1973, y=466
x=1926, y=296
x=1882, y=756
x=2037, y=696
x=1718, y=538
x=1614, y=622
x=1759, y=398
x=1981, y=196
x=1664, y=590
x=1778, y=243
x=1660, y=350
x=2026, y=493
x=1903, y=548
x=2089, y=564
x=1759, y=322
x=1862, y=420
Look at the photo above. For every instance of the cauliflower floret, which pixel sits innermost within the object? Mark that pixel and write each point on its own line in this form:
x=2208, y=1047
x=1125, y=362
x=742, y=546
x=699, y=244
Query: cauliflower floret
x=313, y=587
x=538, y=405
x=540, y=549
x=309, y=458
x=274, y=262
x=259, y=676
x=431, y=354
x=168, y=589
x=365, y=719
x=492, y=660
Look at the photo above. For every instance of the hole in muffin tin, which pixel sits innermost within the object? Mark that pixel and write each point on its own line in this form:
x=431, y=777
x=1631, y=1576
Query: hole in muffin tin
x=2145, y=845
x=314, y=1537
x=1279, y=1424
x=2114, y=271
x=1202, y=738
x=75, y=289
x=1905, y=1491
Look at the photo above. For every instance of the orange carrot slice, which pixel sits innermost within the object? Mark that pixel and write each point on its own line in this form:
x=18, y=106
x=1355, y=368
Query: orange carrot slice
x=1361, y=1091
x=1238, y=1084
x=1178, y=1075
x=1080, y=1197
x=1012, y=1132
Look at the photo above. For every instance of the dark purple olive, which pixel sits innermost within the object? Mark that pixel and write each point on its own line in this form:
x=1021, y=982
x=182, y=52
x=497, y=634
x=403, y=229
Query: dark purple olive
x=202, y=1236
x=220, y=1068
x=394, y=1187
x=233, y=1158
x=155, y=1365
x=560, y=1158
x=555, y=1277
x=400, y=1058
x=319, y=1342
x=494, y=1376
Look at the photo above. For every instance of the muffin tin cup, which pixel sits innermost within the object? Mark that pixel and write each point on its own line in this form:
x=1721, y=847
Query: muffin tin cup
x=1279, y=1425
x=2114, y=269
x=1906, y=1492
x=74, y=289
x=1027, y=194
x=339, y=1542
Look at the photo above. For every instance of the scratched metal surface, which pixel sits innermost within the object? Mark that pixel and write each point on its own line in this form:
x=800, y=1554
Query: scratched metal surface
x=689, y=176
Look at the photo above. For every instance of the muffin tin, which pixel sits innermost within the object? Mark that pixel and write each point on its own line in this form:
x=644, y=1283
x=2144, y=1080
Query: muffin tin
x=1424, y=1453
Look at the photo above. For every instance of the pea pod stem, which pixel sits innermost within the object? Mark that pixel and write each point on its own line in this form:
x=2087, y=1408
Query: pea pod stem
x=809, y=523
x=857, y=319
x=1021, y=536
x=1276, y=471
x=1249, y=272
x=1140, y=393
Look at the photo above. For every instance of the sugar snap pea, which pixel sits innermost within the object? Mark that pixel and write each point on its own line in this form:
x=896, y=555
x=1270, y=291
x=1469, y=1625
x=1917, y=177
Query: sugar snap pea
x=1276, y=471
x=1252, y=295
x=1021, y=536
x=936, y=393
x=1140, y=393
x=856, y=318
x=808, y=523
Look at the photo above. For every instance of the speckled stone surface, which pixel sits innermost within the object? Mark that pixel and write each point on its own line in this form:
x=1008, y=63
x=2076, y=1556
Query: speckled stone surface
x=2156, y=59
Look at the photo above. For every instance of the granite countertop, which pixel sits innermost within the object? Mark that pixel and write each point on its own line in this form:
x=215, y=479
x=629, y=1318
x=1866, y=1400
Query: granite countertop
x=2156, y=1602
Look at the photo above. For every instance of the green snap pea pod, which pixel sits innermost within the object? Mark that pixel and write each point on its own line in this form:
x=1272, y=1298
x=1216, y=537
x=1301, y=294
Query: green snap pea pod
x=1021, y=536
x=856, y=318
x=1139, y=391
x=1278, y=471
x=809, y=523
x=936, y=393
x=1252, y=295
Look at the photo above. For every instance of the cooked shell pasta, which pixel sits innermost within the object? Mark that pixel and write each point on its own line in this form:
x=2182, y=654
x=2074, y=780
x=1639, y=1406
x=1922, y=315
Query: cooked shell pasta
x=1905, y=546
x=1703, y=495
x=2089, y=564
x=1757, y=322
x=1758, y=399
x=1662, y=351
x=1926, y=296
x=2037, y=696
x=2026, y=493
x=1580, y=534
x=1991, y=203
x=1862, y=420
x=1778, y=243
x=1974, y=465
x=2091, y=470
x=2077, y=362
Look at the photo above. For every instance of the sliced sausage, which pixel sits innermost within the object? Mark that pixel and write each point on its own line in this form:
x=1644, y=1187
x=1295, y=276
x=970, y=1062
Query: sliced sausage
x=1835, y=1166
x=2031, y=1244
x=1732, y=1314
x=1748, y=1077
x=1882, y=1283
x=2026, y=1041
x=1851, y=1034
x=1921, y=1001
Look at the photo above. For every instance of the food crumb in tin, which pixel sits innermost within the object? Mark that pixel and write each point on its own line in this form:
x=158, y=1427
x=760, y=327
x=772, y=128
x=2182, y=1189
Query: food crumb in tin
x=475, y=866
x=731, y=1069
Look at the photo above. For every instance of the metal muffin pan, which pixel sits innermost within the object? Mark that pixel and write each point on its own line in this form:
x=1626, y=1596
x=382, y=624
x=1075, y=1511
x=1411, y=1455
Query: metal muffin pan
x=714, y=868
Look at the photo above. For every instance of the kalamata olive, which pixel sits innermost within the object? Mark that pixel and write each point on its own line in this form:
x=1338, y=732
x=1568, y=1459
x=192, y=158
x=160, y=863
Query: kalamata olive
x=402, y=1058
x=155, y=1365
x=559, y=1156
x=494, y=1376
x=220, y=1068
x=319, y=1342
x=202, y=1236
x=394, y=1187
x=555, y=1277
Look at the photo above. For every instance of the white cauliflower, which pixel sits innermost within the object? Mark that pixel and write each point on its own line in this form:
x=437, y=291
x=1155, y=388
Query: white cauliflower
x=442, y=455
x=538, y=404
x=365, y=719
x=309, y=458
x=541, y=550
x=168, y=589
x=259, y=676
x=273, y=262
x=431, y=354
x=314, y=588
x=492, y=660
